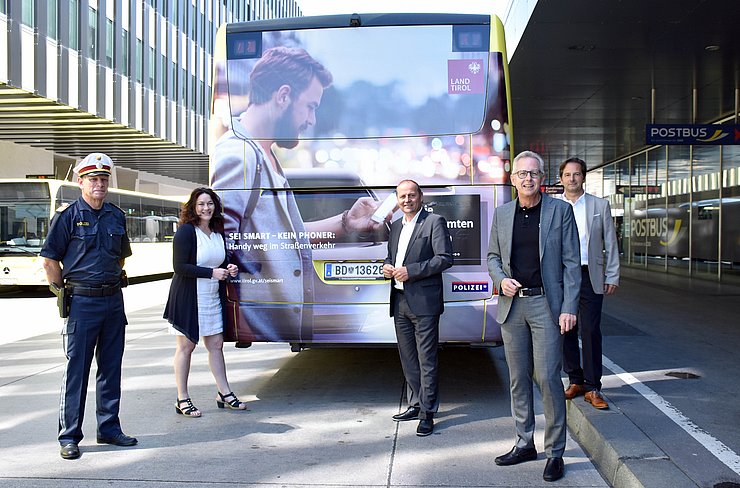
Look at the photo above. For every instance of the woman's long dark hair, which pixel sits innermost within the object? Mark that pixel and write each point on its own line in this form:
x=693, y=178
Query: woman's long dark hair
x=188, y=214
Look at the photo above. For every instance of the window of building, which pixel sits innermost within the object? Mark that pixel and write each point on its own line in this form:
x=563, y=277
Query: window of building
x=74, y=22
x=194, y=90
x=171, y=80
x=193, y=23
x=139, y=61
x=3, y=7
x=51, y=19
x=183, y=87
x=28, y=13
x=150, y=80
x=92, y=37
x=125, y=53
x=109, y=43
x=162, y=87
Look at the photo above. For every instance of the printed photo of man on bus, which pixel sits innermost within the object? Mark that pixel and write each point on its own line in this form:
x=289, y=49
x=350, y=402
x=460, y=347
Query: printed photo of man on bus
x=285, y=89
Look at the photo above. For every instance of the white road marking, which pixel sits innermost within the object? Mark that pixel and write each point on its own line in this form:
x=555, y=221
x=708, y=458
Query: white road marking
x=726, y=455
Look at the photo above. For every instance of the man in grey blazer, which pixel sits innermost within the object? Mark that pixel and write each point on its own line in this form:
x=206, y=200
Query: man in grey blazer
x=419, y=249
x=600, y=276
x=533, y=261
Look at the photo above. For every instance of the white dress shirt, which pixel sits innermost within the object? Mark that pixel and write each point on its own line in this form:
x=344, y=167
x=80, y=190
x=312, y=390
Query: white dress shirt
x=403, y=244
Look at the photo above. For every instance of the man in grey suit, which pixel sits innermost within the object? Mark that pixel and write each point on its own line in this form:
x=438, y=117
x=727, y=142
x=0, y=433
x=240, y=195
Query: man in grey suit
x=534, y=263
x=419, y=249
x=600, y=276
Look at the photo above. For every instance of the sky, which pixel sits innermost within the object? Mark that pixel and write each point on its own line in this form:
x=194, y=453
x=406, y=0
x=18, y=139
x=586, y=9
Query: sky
x=327, y=7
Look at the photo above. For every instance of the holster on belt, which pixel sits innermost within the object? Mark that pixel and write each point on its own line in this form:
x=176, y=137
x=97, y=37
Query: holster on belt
x=124, y=279
x=64, y=299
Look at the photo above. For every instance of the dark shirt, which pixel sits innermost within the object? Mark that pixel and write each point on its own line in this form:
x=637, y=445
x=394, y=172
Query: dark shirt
x=90, y=244
x=525, y=246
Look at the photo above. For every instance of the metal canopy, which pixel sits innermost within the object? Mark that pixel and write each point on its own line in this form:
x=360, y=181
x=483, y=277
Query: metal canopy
x=39, y=122
x=584, y=73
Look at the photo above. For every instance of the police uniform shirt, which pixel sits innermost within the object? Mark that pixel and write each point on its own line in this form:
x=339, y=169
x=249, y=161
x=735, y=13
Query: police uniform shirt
x=89, y=243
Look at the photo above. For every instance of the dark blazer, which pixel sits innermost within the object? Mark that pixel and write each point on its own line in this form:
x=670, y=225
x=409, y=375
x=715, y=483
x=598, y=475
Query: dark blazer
x=182, y=303
x=560, y=255
x=428, y=254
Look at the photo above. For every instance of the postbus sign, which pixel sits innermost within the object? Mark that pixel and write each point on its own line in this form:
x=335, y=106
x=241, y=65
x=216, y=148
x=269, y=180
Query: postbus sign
x=692, y=134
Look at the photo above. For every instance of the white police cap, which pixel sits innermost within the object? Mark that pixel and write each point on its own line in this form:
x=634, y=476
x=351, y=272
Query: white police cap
x=94, y=164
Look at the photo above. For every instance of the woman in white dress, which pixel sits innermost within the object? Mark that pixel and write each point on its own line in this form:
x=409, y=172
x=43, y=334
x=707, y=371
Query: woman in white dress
x=194, y=306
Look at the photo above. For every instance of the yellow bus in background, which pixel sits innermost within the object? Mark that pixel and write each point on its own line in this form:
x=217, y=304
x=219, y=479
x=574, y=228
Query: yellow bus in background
x=28, y=205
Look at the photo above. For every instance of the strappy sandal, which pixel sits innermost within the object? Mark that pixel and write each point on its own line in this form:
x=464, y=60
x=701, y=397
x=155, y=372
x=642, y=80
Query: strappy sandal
x=233, y=404
x=188, y=410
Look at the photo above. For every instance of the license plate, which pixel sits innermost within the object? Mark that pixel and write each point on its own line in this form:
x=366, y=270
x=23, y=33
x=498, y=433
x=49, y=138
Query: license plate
x=353, y=271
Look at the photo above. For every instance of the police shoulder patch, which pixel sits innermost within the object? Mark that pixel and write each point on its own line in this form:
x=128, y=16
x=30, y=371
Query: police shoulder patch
x=62, y=207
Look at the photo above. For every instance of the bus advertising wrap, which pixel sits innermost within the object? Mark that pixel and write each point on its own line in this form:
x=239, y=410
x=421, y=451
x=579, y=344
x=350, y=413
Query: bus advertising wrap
x=311, y=131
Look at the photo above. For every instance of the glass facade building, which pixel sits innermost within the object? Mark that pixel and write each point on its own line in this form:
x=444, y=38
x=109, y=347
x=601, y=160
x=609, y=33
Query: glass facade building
x=677, y=208
x=134, y=72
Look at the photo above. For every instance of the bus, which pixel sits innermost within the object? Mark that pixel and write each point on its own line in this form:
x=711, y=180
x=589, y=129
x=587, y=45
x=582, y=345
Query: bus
x=314, y=121
x=28, y=205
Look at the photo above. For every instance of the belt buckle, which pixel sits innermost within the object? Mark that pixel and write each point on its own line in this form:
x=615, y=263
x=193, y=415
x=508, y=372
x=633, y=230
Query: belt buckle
x=523, y=292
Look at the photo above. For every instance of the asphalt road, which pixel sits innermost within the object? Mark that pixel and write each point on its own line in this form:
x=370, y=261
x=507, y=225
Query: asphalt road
x=322, y=417
x=319, y=418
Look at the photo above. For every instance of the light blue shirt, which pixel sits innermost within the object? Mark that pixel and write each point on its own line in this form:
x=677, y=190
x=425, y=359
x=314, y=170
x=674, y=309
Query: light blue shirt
x=579, y=210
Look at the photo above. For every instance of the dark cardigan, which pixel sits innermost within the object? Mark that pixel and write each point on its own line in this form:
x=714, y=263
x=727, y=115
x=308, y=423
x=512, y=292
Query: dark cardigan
x=182, y=304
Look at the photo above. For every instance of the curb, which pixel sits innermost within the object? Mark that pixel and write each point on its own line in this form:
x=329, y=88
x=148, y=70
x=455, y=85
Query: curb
x=622, y=453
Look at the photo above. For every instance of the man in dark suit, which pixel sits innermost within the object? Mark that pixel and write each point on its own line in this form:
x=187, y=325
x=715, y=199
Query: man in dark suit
x=600, y=276
x=419, y=249
x=534, y=262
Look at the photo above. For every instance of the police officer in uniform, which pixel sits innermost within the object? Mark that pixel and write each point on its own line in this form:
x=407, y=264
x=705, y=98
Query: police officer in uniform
x=84, y=254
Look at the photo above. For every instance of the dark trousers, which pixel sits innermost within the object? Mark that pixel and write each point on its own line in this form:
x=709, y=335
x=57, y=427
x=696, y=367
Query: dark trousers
x=589, y=327
x=418, y=342
x=96, y=326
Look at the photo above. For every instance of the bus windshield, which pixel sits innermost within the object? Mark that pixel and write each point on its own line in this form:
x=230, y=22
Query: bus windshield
x=385, y=81
x=24, y=217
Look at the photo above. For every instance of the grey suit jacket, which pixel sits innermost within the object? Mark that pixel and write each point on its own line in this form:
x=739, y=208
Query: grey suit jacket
x=428, y=254
x=560, y=257
x=603, y=253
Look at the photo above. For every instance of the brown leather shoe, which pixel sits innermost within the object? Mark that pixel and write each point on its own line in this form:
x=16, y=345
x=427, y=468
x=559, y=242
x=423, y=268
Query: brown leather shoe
x=594, y=398
x=574, y=390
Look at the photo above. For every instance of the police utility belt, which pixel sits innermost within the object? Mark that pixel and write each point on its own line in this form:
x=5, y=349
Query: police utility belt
x=93, y=291
x=64, y=294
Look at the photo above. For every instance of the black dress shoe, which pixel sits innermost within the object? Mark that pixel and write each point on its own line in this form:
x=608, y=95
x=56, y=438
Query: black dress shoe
x=121, y=439
x=426, y=427
x=411, y=413
x=516, y=456
x=69, y=451
x=554, y=469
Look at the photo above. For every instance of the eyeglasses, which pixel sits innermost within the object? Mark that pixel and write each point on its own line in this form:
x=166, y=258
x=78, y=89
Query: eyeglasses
x=522, y=174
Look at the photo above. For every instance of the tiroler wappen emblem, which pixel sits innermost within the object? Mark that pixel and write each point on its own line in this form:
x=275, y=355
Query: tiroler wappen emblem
x=474, y=67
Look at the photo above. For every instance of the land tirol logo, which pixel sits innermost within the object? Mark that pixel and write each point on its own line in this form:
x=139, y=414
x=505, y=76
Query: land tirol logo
x=465, y=76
